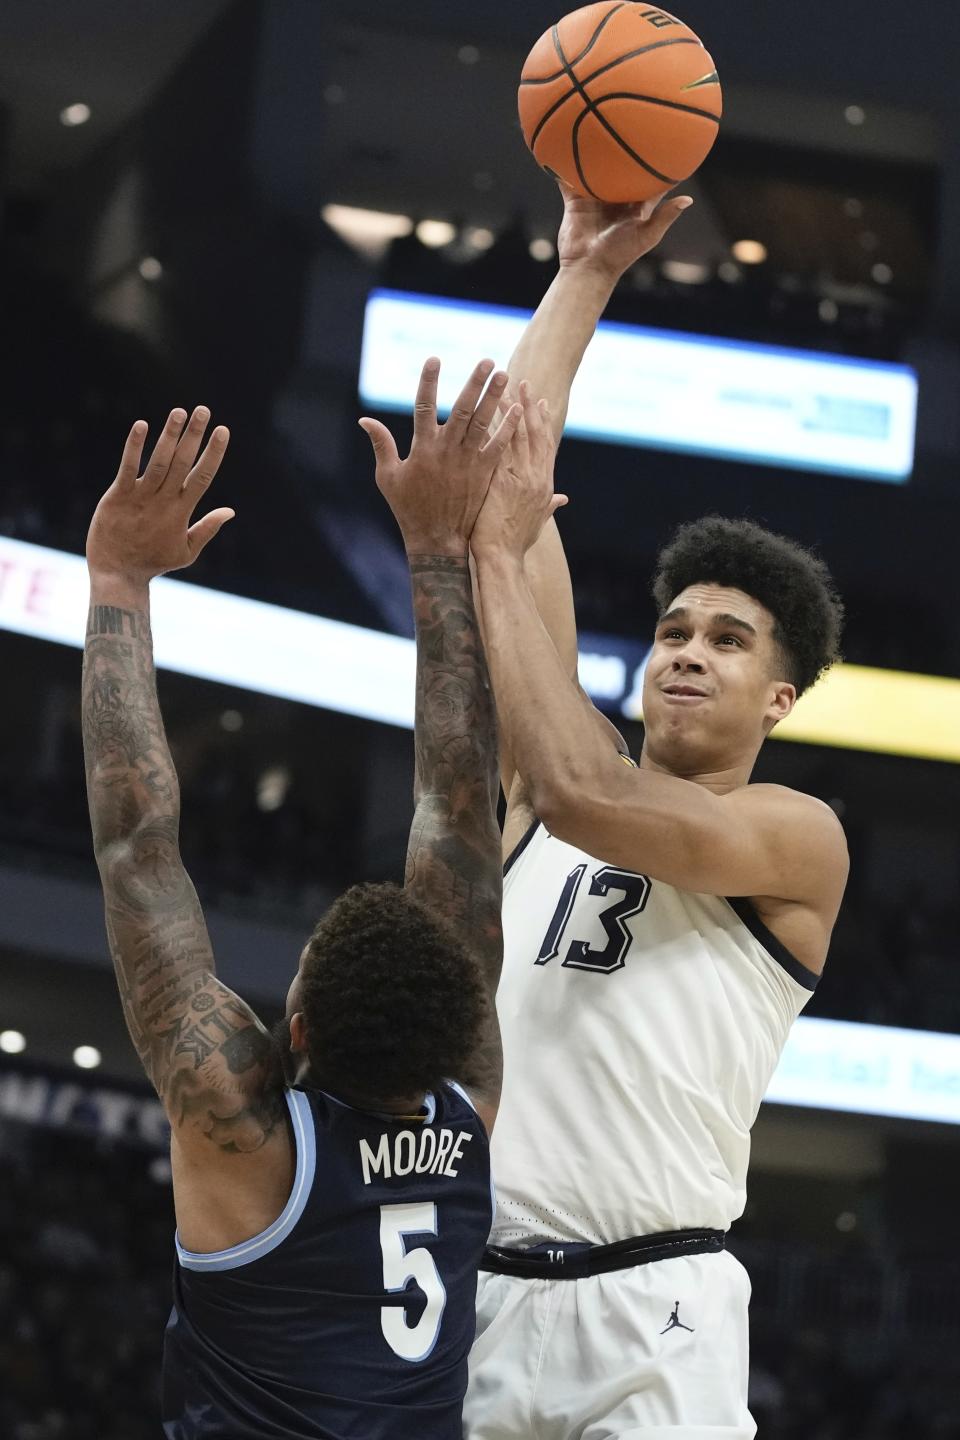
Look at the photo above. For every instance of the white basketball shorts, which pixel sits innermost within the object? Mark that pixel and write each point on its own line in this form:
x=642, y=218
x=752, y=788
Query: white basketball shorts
x=658, y=1351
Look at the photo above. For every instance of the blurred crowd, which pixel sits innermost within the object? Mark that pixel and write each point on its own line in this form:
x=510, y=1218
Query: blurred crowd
x=85, y=1262
x=844, y=1347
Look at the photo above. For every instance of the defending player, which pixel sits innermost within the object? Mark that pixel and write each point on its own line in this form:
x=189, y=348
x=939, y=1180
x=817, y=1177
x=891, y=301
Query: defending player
x=663, y=926
x=332, y=1192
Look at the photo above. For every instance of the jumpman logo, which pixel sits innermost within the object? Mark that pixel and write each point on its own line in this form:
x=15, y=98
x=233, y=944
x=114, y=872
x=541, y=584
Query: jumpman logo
x=675, y=1323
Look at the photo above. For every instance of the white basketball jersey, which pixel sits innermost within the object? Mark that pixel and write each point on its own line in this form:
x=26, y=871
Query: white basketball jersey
x=641, y=1026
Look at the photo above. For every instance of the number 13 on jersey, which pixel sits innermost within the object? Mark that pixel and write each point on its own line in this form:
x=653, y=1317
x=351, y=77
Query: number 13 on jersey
x=634, y=890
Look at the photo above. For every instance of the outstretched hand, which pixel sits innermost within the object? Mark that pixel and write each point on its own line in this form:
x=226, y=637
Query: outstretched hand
x=437, y=491
x=141, y=526
x=610, y=238
x=521, y=498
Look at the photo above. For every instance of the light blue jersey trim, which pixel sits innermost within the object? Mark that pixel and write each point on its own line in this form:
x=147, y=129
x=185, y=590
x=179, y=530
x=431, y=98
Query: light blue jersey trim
x=464, y=1096
x=242, y=1254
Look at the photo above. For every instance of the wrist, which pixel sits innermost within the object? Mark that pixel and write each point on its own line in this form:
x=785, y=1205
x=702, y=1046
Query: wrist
x=592, y=275
x=423, y=547
x=125, y=591
x=498, y=560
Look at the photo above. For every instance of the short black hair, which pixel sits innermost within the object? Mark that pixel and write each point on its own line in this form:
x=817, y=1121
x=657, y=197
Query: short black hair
x=392, y=1000
x=788, y=580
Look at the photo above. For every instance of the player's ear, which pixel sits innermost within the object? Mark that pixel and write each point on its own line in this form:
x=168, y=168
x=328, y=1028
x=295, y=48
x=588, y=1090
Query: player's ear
x=782, y=700
x=298, y=1032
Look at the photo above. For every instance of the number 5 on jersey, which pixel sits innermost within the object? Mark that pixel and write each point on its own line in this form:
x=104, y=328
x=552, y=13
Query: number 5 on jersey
x=400, y=1266
x=635, y=890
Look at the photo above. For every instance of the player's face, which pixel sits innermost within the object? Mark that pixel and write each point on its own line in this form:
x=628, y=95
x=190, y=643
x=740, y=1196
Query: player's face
x=713, y=687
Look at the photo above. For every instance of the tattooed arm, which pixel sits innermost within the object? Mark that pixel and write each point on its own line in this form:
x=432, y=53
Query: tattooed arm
x=211, y=1062
x=453, y=859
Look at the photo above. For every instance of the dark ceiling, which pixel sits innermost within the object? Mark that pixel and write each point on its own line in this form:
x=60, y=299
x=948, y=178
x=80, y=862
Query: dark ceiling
x=408, y=125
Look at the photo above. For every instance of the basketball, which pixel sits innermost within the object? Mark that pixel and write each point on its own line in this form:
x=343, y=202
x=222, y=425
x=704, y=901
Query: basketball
x=620, y=101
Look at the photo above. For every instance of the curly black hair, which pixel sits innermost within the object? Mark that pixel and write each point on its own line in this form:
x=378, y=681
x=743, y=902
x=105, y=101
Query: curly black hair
x=789, y=581
x=393, y=1002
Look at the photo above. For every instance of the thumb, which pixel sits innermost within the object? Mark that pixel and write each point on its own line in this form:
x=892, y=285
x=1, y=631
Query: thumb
x=384, y=445
x=666, y=214
x=557, y=503
x=200, y=534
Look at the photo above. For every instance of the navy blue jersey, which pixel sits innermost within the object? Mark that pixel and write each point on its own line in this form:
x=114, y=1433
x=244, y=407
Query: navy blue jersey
x=352, y=1315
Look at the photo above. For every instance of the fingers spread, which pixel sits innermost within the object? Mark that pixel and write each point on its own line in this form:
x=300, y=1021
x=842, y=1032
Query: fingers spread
x=466, y=402
x=425, y=406
x=497, y=443
x=533, y=421
x=482, y=417
x=187, y=448
x=164, y=450
x=130, y=459
x=207, y=466
x=204, y=530
x=384, y=445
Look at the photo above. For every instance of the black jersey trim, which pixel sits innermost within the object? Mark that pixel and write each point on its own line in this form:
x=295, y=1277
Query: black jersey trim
x=745, y=911
x=521, y=845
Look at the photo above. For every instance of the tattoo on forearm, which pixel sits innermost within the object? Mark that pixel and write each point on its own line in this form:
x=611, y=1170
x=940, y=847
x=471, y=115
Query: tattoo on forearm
x=211, y=1061
x=453, y=858
x=130, y=772
x=110, y=620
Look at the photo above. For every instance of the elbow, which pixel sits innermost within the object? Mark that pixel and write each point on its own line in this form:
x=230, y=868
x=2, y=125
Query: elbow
x=114, y=856
x=559, y=801
x=153, y=840
x=577, y=799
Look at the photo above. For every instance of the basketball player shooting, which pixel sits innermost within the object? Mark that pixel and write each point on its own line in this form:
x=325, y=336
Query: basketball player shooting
x=332, y=1183
x=664, y=923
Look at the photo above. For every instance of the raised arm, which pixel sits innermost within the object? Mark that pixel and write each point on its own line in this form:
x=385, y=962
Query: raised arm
x=209, y=1058
x=453, y=856
x=754, y=840
x=597, y=244
x=453, y=859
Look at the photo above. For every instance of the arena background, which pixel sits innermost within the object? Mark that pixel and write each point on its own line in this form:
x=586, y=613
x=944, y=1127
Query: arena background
x=177, y=246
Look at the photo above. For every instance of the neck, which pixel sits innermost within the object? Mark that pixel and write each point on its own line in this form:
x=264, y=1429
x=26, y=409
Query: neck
x=406, y=1105
x=720, y=780
x=410, y=1105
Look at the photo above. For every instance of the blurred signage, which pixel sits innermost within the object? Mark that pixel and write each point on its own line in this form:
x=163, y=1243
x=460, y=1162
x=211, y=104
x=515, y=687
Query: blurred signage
x=116, y=1114
x=221, y=637
x=317, y=661
x=871, y=1070
x=803, y=409
x=826, y=1065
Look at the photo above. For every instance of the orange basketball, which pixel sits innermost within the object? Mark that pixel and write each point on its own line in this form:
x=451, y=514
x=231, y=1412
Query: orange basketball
x=619, y=100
